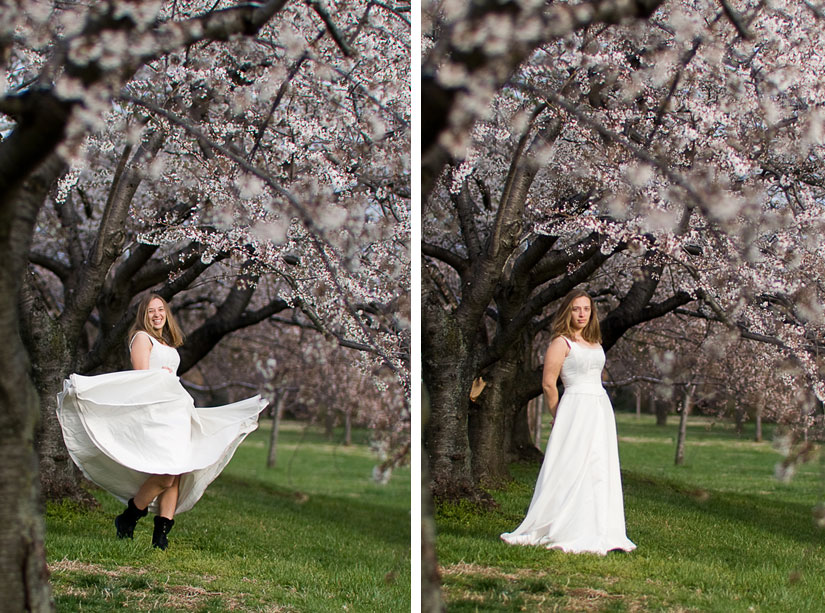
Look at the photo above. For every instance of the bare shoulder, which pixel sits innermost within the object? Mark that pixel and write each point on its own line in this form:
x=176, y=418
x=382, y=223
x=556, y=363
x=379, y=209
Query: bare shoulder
x=140, y=340
x=558, y=347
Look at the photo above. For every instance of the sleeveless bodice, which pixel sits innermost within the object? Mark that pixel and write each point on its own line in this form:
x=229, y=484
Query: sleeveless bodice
x=161, y=356
x=582, y=368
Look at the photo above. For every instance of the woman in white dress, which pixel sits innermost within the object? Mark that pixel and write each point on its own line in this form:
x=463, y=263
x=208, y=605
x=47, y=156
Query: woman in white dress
x=577, y=505
x=138, y=433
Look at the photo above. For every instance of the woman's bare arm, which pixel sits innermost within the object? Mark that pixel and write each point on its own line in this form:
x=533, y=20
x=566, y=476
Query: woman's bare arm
x=140, y=350
x=553, y=359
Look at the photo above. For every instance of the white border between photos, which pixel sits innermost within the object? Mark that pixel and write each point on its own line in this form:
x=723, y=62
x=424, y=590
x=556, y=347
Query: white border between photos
x=415, y=308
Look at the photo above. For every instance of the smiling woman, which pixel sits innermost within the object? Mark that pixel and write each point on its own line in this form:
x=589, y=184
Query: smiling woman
x=138, y=434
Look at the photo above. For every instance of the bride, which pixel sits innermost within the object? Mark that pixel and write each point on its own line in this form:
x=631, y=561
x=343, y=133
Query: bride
x=577, y=505
x=138, y=434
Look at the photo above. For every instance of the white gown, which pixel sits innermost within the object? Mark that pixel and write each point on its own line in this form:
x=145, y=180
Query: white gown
x=577, y=505
x=122, y=427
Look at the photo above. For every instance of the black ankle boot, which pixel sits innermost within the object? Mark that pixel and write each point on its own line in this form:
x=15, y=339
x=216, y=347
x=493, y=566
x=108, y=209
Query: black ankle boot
x=162, y=528
x=125, y=522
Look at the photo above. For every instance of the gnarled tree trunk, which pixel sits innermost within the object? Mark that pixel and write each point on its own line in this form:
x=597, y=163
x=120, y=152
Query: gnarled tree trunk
x=490, y=423
x=23, y=573
x=447, y=369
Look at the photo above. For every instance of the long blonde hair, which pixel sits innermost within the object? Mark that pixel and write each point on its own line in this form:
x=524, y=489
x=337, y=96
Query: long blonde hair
x=170, y=334
x=562, y=324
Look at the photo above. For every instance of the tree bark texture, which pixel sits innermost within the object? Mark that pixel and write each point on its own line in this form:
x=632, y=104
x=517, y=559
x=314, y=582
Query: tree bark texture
x=491, y=423
x=447, y=369
x=431, y=599
x=23, y=572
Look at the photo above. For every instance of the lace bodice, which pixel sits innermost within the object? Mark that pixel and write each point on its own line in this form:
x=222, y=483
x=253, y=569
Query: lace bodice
x=161, y=356
x=583, y=367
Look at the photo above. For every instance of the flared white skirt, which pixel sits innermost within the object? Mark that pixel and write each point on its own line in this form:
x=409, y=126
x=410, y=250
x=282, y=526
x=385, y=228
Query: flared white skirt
x=122, y=427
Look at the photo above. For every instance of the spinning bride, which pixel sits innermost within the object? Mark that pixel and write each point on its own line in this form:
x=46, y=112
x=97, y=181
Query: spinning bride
x=138, y=433
x=577, y=505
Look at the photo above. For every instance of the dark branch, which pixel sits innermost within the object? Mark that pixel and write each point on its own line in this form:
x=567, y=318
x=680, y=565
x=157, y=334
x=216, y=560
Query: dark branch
x=446, y=256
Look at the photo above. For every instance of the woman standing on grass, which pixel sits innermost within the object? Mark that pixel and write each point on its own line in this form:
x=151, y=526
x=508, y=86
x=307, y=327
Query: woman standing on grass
x=138, y=433
x=577, y=505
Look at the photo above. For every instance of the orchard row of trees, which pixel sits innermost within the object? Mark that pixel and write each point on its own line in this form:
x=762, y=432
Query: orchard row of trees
x=247, y=161
x=665, y=155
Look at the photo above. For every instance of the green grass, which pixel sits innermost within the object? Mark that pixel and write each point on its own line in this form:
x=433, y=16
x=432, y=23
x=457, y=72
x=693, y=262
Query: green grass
x=313, y=534
x=718, y=533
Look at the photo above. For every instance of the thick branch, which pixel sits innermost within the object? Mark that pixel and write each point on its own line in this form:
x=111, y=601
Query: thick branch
x=109, y=240
x=229, y=317
x=531, y=256
x=446, y=256
x=485, y=271
x=51, y=264
x=557, y=262
x=41, y=119
x=467, y=221
x=509, y=332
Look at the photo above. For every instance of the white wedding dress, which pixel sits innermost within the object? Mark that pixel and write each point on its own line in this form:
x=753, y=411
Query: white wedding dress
x=577, y=505
x=122, y=427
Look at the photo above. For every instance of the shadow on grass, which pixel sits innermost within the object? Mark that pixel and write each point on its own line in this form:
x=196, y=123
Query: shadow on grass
x=766, y=514
x=329, y=514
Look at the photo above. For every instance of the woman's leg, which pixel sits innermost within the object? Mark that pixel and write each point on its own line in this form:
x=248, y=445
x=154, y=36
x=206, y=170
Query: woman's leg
x=153, y=487
x=167, y=503
x=168, y=500
x=162, y=487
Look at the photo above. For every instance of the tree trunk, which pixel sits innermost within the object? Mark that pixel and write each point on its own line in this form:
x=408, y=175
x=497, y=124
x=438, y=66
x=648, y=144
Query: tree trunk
x=535, y=410
x=329, y=422
x=348, y=427
x=525, y=439
x=680, y=441
x=739, y=416
x=638, y=403
x=492, y=421
x=758, y=435
x=277, y=412
x=524, y=447
x=660, y=408
x=431, y=600
x=447, y=366
x=53, y=362
x=23, y=573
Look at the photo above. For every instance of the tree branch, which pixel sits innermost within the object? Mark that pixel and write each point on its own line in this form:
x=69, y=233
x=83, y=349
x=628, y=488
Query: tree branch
x=512, y=329
x=445, y=255
x=467, y=221
x=51, y=264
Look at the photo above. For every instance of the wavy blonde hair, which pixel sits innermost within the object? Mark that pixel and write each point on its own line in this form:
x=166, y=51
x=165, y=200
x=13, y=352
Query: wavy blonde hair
x=170, y=334
x=562, y=324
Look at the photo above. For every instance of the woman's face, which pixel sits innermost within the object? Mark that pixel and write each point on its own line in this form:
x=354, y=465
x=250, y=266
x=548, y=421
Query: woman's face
x=157, y=314
x=580, y=313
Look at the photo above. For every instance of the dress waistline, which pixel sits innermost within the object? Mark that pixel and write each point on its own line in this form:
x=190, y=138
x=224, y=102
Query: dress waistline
x=585, y=388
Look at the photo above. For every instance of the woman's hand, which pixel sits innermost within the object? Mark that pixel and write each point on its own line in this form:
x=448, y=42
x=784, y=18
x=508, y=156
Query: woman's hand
x=169, y=369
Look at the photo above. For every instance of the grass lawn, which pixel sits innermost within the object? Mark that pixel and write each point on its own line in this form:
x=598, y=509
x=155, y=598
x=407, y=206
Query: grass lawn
x=313, y=534
x=716, y=534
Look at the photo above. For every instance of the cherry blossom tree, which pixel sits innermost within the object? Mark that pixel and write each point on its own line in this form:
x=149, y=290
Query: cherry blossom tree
x=666, y=154
x=257, y=148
